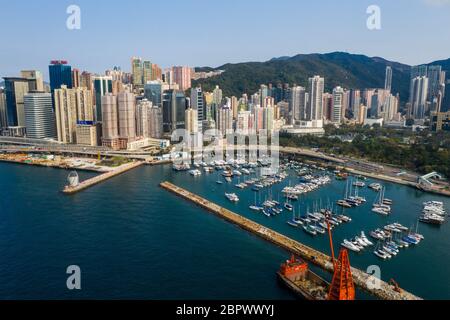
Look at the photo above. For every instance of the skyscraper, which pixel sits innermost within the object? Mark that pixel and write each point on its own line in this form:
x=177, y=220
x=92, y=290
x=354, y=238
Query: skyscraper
x=390, y=108
x=217, y=96
x=388, y=80
x=87, y=80
x=60, y=74
x=182, y=76
x=137, y=71
x=102, y=86
x=174, y=107
x=224, y=120
x=76, y=78
x=72, y=106
x=110, y=129
x=146, y=71
x=126, y=103
x=418, y=98
x=15, y=90
x=263, y=94
x=142, y=113
x=297, y=103
x=156, y=72
x=39, y=115
x=338, y=99
x=316, y=89
x=243, y=124
x=355, y=102
x=419, y=71
x=35, y=80
x=191, y=119
x=3, y=122
x=436, y=87
x=197, y=103
x=153, y=91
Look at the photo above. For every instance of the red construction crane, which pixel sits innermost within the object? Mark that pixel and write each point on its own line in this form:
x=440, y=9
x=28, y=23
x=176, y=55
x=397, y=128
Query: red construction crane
x=342, y=287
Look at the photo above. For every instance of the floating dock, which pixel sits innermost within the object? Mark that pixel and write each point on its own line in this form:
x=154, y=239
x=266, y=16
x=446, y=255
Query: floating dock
x=361, y=279
x=100, y=178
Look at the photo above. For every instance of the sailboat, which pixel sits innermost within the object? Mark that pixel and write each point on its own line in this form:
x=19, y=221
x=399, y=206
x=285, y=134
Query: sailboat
x=379, y=206
x=218, y=179
x=255, y=207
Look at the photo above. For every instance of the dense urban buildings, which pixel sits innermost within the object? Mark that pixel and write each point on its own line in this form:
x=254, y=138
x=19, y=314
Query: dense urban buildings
x=121, y=110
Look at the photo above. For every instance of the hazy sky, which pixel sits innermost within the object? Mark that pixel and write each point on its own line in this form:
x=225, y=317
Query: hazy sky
x=213, y=32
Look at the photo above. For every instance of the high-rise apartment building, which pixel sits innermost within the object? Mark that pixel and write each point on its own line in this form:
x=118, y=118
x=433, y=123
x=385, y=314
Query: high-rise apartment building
x=297, y=104
x=39, y=115
x=418, y=98
x=126, y=103
x=182, y=76
x=142, y=114
x=156, y=72
x=76, y=78
x=338, y=101
x=390, y=108
x=243, y=123
x=146, y=71
x=355, y=102
x=388, y=79
x=87, y=80
x=224, y=120
x=314, y=112
x=217, y=96
x=87, y=134
x=436, y=87
x=191, y=119
x=71, y=107
x=317, y=85
x=198, y=104
x=110, y=123
x=137, y=71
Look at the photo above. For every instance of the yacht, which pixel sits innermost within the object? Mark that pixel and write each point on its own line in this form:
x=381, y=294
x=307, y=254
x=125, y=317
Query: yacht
x=349, y=245
x=232, y=197
x=309, y=229
x=382, y=254
x=195, y=173
x=381, y=211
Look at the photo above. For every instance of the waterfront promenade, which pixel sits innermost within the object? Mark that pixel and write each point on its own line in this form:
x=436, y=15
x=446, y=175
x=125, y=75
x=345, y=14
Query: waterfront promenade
x=362, y=279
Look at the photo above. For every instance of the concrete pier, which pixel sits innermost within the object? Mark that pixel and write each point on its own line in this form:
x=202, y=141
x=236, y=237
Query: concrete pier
x=98, y=179
x=361, y=279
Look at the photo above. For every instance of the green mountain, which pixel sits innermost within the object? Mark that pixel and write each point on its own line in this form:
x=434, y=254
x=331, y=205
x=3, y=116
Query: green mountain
x=338, y=68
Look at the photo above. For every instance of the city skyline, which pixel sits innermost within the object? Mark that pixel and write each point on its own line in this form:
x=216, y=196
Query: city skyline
x=206, y=40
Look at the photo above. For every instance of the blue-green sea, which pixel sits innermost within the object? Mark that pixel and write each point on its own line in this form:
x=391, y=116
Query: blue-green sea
x=133, y=240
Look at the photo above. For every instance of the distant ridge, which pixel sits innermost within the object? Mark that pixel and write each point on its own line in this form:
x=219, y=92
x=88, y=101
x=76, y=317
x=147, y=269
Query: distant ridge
x=339, y=68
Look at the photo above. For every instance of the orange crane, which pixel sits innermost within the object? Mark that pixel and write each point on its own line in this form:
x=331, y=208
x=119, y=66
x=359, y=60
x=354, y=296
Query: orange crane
x=395, y=285
x=342, y=287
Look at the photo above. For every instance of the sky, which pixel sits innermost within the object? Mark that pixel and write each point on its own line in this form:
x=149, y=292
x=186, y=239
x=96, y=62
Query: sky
x=213, y=32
